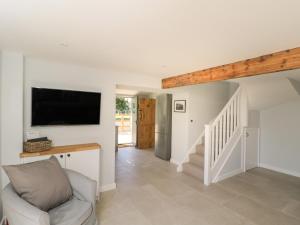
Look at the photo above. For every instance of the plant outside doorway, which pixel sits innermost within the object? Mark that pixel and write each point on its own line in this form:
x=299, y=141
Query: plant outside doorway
x=124, y=120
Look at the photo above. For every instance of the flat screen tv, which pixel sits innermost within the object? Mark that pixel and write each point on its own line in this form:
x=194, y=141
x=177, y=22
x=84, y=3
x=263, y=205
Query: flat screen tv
x=64, y=107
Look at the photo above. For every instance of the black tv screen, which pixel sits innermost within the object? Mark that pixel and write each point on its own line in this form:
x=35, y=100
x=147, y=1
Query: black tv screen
x=64, y=107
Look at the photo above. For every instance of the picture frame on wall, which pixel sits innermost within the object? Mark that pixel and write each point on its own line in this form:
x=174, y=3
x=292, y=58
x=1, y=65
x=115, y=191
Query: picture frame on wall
x=180, y=106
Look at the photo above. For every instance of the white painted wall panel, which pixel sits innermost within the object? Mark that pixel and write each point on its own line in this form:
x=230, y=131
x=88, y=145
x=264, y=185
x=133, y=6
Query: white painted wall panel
x=280, y=142
x=11, y=120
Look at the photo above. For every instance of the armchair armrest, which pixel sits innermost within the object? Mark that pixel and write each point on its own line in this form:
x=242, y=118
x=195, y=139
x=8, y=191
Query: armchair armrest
x=18, y=211
x=83, y=185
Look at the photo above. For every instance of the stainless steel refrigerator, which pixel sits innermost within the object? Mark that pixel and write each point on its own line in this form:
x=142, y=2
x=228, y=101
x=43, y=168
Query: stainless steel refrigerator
x=163, y=126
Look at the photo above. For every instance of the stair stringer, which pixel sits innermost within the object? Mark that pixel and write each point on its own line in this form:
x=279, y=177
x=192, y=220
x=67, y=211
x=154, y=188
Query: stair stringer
x=224, y=158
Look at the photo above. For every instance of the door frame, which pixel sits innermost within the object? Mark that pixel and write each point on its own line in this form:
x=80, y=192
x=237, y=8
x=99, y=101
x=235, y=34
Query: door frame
x=245, y=146
x=133, y=123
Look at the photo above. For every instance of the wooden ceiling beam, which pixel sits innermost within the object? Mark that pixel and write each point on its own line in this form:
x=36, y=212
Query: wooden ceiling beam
x=275, y=62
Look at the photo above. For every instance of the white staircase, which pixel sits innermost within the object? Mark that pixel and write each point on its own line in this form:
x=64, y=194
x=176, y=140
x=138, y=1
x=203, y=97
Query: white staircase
x=221, y=136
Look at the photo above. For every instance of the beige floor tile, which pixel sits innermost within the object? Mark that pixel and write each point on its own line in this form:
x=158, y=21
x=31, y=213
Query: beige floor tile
x=218, y=194
x=277, y=218
x=258, y=213
x=247, y=208
x=223, y=216
x=130, y=218
x=263, y=195
x=258, y=181
x=151, y=192
x=293, y=209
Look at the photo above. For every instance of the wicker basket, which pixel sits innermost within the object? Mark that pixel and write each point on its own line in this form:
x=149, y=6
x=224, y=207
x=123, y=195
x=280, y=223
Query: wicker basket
x=37, y=146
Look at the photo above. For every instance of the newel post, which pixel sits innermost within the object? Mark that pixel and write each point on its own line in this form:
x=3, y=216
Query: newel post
x=207, y=154
x=244, y=108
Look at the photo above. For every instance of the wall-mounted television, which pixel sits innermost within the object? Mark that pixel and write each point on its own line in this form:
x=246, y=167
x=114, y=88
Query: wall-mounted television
x=64, y=107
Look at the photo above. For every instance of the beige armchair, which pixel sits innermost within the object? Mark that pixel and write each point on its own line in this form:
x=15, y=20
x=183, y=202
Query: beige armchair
x=79, y=210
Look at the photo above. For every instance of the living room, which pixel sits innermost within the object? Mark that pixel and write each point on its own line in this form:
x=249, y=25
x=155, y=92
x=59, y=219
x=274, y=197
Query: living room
x=98, y=47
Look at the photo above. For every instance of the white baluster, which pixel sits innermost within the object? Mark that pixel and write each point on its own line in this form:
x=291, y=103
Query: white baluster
x=217, y=140
x=228, y=124
x=207, y=155
x=234, y=114
x=238, y=111
x=231, y=120
x=212, y=145
x=221, y=135
x=224, y=129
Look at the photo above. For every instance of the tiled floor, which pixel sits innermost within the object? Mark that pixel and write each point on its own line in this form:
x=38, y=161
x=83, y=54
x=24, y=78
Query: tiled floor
x=150, y=192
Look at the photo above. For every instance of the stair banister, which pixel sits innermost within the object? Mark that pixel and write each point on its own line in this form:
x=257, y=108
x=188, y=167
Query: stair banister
x=207, y=154
x=221, y=132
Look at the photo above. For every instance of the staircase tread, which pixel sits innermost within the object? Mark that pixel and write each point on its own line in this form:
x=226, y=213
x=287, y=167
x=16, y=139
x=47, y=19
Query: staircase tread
x=197, y=154
x=193, y=166
x=193, y=170
x=196, y=159
x=199, y=166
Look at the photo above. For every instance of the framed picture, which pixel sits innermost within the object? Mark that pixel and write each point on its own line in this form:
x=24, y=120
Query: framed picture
x=180, y=106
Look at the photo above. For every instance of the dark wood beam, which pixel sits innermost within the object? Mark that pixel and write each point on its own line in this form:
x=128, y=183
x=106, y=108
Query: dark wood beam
x=275, y=62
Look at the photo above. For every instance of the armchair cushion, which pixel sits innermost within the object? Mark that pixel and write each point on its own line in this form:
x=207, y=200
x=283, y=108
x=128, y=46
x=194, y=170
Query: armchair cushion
x=43, y=184
x=73, y=212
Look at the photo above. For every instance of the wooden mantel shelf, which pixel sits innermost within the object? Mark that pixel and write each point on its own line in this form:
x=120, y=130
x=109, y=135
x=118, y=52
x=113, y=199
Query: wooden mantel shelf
x=63, y=149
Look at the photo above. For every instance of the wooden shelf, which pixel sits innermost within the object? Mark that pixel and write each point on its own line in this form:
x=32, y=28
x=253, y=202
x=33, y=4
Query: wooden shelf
x=63, y=149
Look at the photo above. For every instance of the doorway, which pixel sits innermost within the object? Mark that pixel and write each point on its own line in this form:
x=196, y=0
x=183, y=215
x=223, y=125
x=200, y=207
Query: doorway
x=135, y=122
x=125, y=120
x=135, y=117
x=252, y=148
x=146, y=123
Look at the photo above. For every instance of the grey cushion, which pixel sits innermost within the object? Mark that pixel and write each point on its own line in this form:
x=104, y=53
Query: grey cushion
x=43, y=184
x=74, y=212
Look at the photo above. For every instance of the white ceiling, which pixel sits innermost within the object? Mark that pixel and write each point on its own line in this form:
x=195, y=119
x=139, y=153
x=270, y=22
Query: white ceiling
x=154, y=37
x=269, y=90
x=137, y=91
x=130, y=92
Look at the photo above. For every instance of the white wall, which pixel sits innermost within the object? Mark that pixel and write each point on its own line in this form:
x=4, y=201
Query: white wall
x=1, y=210
x=254, y=119
x=11, y=109
x=11, y=113
x=280, y=142
x=180, y=127
x=204, y=102
x=234, y=164
x=43, y=73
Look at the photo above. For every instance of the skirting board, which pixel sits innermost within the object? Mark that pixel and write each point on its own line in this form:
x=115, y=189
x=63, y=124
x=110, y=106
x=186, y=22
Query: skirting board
x=108, y=187
x=280, y=170
x=230, y=174
x=173, y=161
x=179, y=166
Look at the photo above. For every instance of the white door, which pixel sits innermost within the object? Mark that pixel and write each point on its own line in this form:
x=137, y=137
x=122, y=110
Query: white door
x=84, y=162
x=60, y=157
x=252, y=148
